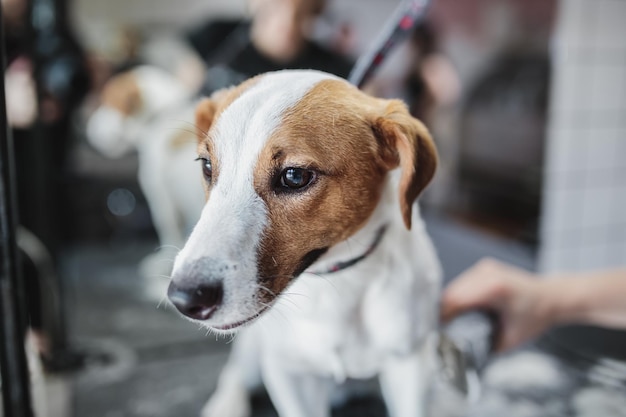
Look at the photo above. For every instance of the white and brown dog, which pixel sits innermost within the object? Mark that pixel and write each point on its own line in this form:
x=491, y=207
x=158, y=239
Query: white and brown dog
x=304, y=244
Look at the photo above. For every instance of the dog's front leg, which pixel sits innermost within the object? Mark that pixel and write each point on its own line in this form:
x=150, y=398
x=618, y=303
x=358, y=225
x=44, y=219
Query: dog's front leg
x=164, y=214
x=294, y=394
x=405, y=381
x=166, y=222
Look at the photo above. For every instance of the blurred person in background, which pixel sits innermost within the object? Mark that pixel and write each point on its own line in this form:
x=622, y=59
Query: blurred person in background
x=528, y=304
x=45, y=80
x=21, y=109
x=422, y=75
x=432, y=81
x=20, y=91
x=426, y=79
x=278, y=37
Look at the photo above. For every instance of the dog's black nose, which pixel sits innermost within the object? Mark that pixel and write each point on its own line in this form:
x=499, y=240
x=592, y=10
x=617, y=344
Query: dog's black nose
x=198, y=302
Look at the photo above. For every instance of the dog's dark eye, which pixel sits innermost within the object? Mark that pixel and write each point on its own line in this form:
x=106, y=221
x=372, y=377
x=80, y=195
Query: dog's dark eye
x=207, y=168
x=296, y=178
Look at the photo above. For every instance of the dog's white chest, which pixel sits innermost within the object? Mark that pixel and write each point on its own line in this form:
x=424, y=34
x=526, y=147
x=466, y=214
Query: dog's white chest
x=346, y=325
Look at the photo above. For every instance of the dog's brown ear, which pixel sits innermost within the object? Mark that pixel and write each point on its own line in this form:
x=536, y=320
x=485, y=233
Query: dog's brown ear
x=205, y=113
x=122, y=93
x=406, y=142
x=207, y=109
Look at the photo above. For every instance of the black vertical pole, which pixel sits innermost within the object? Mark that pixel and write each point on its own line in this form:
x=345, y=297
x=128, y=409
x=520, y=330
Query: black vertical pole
x=13, y=366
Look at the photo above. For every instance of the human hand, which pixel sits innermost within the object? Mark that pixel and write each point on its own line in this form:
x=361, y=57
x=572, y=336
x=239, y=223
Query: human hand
x=21, y=97
x=520, y=300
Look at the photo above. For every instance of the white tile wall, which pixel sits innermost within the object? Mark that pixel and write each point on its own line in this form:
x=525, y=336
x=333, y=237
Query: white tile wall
x=584, y=205
x=608, y=87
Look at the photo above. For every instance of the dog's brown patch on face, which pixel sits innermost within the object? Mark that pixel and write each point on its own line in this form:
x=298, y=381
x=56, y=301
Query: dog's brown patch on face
x=329, y=132
x=350, y=140
x=123, y=94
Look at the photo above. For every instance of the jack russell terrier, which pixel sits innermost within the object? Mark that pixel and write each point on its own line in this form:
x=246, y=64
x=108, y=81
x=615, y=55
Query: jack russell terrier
x=310, y=244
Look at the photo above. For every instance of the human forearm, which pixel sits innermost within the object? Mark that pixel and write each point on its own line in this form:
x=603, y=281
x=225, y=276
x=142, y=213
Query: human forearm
x=597, y=298
x=527, y=304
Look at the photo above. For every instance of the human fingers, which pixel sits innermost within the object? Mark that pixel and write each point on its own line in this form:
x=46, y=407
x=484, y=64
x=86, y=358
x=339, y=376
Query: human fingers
x=471, y=290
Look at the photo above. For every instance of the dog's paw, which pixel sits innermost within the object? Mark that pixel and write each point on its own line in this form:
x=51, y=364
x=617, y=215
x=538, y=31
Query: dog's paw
x=228, y=402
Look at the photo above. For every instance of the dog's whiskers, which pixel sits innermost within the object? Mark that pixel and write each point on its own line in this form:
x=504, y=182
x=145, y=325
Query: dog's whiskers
x=195, y=126
x=168, y=247
x=282, y=296
x=297, y=293
x=276, y=310
x=167, y=277
x=264, y=288
x=163, y=260
x=291, y=303
x=326, y=279
x=233, y=336
x=191, y=139
x=163, y=301
x=275, y=297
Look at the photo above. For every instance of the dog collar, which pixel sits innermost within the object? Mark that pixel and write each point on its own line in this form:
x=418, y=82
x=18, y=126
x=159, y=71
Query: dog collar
x=339, y=266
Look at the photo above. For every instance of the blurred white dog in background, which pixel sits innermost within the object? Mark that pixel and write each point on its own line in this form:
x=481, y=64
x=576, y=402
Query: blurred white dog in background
x=149, y=110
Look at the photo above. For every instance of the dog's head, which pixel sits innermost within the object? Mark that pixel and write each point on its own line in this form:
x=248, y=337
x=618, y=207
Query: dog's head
x=127, y=101
x=294, y=162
